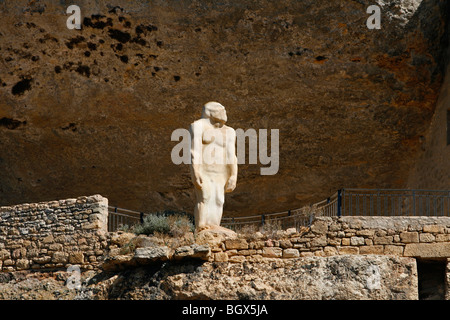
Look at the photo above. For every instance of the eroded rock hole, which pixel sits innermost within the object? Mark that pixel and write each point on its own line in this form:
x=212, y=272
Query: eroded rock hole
x=141, y=28
x=71, y=126
x=11, y=124
x=96, y=22
x=120, y=36
x=92, y=46
x=74, y=41
x=20, y=87
x=83, y=70
x=124, y=58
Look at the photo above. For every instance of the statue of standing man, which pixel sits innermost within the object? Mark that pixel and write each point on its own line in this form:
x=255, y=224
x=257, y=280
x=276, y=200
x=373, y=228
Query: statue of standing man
x=213, y=165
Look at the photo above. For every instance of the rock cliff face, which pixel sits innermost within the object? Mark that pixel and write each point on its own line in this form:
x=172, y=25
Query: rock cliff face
x=336, y=277
x=91, y=111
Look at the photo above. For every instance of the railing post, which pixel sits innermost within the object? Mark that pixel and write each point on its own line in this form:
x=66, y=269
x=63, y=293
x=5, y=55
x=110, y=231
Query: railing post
x=310, y=218
x=414, y=202
x=262, y=220
x=378, y=203
x=141, y=217
x=327, y=208
x=339, y=203
x=114, y=222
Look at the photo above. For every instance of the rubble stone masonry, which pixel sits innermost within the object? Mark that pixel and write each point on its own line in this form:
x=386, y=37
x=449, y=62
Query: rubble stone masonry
x=417, y=237
x=53, y=234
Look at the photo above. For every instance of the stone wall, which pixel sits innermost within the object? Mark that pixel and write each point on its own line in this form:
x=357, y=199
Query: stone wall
x=333, y=259
x=55, y=234
x=407, y=237
x=419, y=237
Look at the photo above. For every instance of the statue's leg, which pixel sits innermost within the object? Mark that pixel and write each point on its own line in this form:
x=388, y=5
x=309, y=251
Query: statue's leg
x=201, y=208
x=217, y=200
x=209, y=208
x=198, y=209
x=210, y=200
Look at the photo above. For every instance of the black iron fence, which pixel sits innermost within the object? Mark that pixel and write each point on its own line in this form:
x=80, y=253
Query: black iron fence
x=286, y=219
x=118, y=217
x=394, y=202
x=345, y=202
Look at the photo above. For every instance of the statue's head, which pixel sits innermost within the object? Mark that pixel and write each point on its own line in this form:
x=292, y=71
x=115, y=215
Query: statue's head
x=214, y=111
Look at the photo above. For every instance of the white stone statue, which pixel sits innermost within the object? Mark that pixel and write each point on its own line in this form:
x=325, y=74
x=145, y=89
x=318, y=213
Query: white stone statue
x=213, y=165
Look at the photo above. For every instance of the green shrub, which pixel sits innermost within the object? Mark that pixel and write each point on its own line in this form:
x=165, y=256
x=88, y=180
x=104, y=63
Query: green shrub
x=153, y=223
x=124, y=228
x=166, y=222
x=180, y=224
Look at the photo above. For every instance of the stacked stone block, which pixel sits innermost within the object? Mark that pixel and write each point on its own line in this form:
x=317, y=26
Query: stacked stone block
x=420, y=237
x=55, y=234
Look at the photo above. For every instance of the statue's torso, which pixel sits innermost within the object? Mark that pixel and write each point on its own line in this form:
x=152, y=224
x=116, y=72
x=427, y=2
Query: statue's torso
x=214, y=143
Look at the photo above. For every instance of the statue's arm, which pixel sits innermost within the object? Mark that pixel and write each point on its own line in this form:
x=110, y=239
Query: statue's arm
x=196, y=154
x=231, y=160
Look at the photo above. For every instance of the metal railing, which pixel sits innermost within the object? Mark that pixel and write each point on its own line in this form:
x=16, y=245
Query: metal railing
x=286, y=219
x=345, y=202
x=296, y=218
x=118, y=217
x=394, y=202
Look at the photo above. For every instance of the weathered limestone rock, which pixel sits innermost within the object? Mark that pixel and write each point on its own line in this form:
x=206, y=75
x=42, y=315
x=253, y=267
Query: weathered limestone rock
x=272, y=252
x=319, y=241
x=371, y=249
x=428, y=250
x=59, y=257
x=398, y=223
x=347, y=250
x=236, y=244
x=193, y=251
x=118, y=262
x=320, y=226
x=213, y=237
x=76, y=257
x=220, y=257
x=394, y=250
x=151, y=254
x=4, y=254
x=122, y=238
x=407, y=237
x=432, y=228
x=290, y=253
x=357, y=241
x=22, y=264
x=427, y=237
x=95, y=98
x=336, y=277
